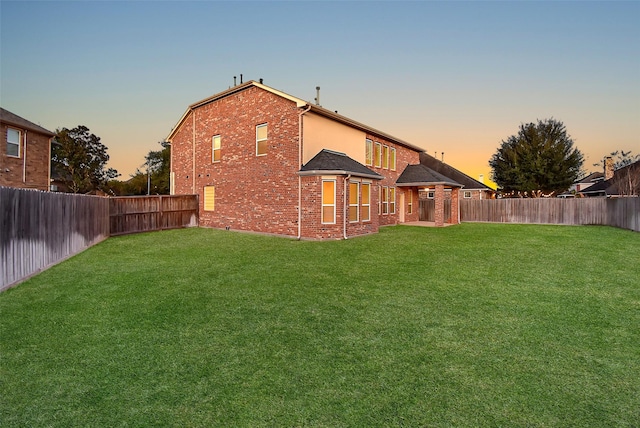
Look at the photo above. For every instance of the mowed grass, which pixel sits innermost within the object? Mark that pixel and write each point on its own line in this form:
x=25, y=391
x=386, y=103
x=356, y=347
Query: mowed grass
x=466, y=326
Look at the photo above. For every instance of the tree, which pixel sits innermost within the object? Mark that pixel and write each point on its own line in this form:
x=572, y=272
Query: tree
x=79, y=160
x=539, y=161
x=152, y=176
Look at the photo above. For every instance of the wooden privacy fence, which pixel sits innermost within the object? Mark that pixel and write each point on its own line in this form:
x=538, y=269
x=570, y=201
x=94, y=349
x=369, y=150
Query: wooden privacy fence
x=619, y=212
x=428, y=210
x=133, y=214
x=39, y=229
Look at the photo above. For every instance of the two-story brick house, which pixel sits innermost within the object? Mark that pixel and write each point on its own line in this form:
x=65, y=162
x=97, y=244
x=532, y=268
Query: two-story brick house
x=264, y=161
x=25, y=157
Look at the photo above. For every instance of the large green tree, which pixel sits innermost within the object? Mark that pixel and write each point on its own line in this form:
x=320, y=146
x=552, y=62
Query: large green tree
x=79, y=160
x=540, y=160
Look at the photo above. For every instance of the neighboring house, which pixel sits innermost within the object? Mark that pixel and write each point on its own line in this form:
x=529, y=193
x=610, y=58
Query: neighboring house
x=264, y=161
x=586, y=182
x=25, y=157
x=622, y=182
x=470, y=188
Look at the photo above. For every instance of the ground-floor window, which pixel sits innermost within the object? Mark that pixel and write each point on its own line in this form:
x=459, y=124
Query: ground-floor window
x=392, y=200
x=366, y=201
x=385, y=200
x=409, y=202
x=354, y=201
x=328, y=201
x=209, y=198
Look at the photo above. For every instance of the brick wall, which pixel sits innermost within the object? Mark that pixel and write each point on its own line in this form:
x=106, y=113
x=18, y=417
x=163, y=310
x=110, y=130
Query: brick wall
x=37, y=161
x=257, y=193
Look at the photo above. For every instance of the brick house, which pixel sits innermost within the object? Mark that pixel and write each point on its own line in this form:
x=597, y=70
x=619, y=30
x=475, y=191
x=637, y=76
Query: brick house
x=264, y=161
x=25, y=158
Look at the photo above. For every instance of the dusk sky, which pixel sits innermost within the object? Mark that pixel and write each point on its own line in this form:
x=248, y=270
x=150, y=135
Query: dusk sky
x=452, y=77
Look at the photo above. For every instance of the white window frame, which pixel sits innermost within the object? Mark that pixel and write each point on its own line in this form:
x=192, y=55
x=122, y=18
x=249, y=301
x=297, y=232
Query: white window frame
x=368, y=186
x=392, y=158
x=368, y=152
x=377, y=160
x=14, y=143
x=385, y=200
x=392, y=200
x=385, y=157
x=258, y=141
x=323, y=205
x=213, y=148
x=357, y=204
x=431, y=194
x=465, y=193
x=410, y=202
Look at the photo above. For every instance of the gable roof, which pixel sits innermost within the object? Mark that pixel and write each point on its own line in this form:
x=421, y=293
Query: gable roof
x=591, y=178
x=421, y=175
x=447, y=170
x=610, y=186
x=328, y=162
x=300, y=103
x=19, y=122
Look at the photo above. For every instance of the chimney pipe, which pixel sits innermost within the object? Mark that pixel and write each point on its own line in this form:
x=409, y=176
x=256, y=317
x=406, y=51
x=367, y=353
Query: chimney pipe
x=261, y=80
x=234, y=80
x=608, y=168
x=442, y=158
x=317, y=95
x=241, y=78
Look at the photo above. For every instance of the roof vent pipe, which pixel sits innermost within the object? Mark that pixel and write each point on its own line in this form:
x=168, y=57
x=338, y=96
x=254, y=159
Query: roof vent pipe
x=317, y=95
x=241, y=78
x=234, y=80
x=442, y=158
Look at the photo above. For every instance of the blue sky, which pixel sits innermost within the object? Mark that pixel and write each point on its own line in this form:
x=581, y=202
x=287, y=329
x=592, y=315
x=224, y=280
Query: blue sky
x=452, y=77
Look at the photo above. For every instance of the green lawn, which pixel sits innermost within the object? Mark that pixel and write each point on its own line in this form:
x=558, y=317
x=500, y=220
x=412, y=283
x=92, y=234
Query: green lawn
x=472, y=325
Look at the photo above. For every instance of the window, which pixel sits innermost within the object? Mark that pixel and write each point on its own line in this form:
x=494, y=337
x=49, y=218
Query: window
x=467, y=194
x=366, y=202
x=385, y=157
x=209, y=198
x=385, y=200
x=261, y=140
x=368, y=152
x=392, y=200
x=392, y=159
x=409, y=202
x=328, y=201
x=377, y=155
x=431, y=195
x=13, y=142
x=354, y=199
x=215, y=148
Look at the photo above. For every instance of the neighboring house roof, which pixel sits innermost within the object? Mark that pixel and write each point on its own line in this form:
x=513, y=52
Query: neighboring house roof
x=610, y=186
x=328, y=162
x=421, y=175
x=591, y=178
x=299, y=103
x=447, y=170
x=13, y=119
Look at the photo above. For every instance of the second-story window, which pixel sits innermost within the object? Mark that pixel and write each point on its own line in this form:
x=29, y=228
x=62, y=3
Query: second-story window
x=261, y=140
x=392, y=159
x=13, y=142
x=368, y=152
x=385, y=157
x=215, y=148
x=377, y=155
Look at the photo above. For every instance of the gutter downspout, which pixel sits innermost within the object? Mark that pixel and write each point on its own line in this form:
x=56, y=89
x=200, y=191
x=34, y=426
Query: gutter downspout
x=193, y=150
x=344, y=210
x=24, y=159
x=300, y=140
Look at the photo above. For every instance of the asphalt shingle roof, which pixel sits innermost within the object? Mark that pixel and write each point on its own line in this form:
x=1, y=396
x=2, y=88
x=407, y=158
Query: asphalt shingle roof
x=330, y=162
x=420, y=175
x=449, y=171
x=13, y=119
